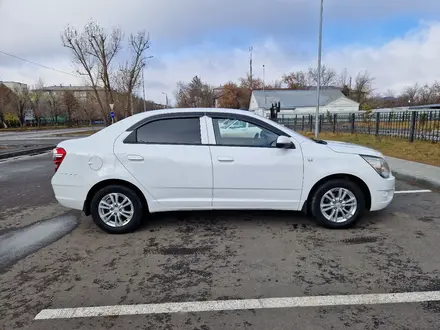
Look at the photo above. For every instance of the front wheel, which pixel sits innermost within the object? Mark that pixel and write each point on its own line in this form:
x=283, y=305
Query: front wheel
x=117, y=209
x=338, y=204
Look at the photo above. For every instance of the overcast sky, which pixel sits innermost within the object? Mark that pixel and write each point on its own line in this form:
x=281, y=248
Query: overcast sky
x=398, y=41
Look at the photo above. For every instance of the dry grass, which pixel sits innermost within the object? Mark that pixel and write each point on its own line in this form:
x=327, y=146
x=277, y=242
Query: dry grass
x=424, y=126
x=418, y=151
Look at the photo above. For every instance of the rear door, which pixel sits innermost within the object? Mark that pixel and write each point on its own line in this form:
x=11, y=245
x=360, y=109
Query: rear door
x=168, y=157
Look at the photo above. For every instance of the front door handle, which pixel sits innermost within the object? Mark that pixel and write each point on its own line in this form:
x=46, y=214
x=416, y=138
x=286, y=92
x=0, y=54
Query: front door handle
x=135, y=158
x=225, y=159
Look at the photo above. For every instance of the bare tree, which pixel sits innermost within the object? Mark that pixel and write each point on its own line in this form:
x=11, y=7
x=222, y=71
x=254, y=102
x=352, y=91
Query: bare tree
x=277, y=84
x=195, y=94
x=296, y=80
x=411, y=93
x=363, y=86
x=343, y=79
x=54, y=104
x=246, y=82
x=127, y=78
x=21, y=102
x=88, y=108
x=70, y=103
x=328, y=76
x=7, y=101
x=435, y=92
x=93, y=51
x=36, y=101
x=390, y=93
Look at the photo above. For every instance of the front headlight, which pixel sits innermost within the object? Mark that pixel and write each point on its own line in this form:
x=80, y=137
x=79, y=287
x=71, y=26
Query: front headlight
x=379, y=164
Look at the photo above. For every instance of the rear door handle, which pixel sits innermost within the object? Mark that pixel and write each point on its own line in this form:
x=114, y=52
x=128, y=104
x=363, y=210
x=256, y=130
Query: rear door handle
x=135, y=158
x=225, y=159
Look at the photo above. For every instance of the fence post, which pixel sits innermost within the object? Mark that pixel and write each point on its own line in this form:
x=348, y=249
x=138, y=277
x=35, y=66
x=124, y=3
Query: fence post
x=377, y=123
x=320, y=123
x=335, y=118
x=352, y=122
x=412, y=128
x=310, y=123
x=303, y=122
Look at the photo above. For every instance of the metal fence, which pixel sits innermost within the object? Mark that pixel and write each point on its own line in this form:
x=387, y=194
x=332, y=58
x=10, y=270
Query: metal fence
x=410, y=125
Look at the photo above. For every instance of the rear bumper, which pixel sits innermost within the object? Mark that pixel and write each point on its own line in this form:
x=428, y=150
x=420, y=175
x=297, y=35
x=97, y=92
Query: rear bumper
x=70, y=191
x=70, y=196
x=382, y=193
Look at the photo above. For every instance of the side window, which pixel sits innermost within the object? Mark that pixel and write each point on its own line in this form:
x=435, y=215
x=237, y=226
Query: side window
x=170, y=131
x=242, y=133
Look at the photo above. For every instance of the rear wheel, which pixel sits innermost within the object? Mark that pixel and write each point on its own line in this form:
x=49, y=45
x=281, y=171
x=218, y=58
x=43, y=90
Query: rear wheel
x=338, y=204
x=117, y=209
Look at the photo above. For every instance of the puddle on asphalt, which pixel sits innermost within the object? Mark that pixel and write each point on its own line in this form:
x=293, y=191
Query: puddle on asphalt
x=19, y=243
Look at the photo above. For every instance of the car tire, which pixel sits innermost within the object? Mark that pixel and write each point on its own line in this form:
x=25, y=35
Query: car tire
x=345, y=191
x=121, y=222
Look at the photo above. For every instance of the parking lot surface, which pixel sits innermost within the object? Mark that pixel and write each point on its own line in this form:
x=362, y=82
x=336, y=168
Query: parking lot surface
x=217, y=256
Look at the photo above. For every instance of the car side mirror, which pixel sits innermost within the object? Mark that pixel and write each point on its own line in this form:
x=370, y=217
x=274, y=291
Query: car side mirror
x=284, y=142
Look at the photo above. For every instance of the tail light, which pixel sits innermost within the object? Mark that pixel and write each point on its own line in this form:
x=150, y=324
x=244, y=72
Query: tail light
x=58, y=157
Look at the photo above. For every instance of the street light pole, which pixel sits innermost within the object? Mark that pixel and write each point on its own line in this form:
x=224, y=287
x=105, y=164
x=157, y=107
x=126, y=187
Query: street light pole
x=143, y=89
x=318, y=88
x=166, y=99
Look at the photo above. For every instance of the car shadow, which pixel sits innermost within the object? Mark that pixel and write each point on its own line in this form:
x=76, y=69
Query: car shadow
x=222, y=218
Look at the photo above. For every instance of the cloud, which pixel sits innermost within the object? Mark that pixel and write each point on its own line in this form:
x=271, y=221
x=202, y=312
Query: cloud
x=398, y=63
x=211, y=38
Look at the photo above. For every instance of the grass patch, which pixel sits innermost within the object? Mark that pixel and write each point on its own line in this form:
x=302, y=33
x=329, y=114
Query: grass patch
x=418, y=151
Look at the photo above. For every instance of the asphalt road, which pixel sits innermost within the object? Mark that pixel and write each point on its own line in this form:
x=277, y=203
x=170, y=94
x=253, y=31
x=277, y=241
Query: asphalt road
x=25, y=184
x=184, y=257
x=49, y=137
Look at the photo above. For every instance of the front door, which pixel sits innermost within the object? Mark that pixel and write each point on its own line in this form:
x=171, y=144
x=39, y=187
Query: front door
x=249, y=171
x=170, y=161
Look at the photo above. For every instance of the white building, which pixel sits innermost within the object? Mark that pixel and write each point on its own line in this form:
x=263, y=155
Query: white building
x=301, y=102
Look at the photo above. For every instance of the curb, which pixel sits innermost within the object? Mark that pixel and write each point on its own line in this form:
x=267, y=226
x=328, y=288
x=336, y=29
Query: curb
x=31, y=151
x=417, y=180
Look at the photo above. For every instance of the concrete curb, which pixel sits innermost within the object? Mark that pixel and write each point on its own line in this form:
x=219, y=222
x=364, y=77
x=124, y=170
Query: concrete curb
x=30, y=151
x=416, y=173
x=430, y=184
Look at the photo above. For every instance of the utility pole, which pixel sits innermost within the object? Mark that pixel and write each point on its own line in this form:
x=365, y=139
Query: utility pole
x=250, y=67
x=143, y=89
x=264, y=86
x=166, y=99
x=349, y=90
x=318, y=88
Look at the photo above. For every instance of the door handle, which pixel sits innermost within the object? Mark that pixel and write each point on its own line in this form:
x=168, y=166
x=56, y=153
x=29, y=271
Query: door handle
x=135, y=158
x=225, y=159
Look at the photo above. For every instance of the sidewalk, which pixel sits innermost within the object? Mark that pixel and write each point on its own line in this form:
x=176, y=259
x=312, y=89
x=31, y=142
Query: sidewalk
x=426, y=175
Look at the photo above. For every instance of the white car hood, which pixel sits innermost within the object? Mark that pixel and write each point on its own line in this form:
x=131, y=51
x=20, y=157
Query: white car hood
x=351, y=148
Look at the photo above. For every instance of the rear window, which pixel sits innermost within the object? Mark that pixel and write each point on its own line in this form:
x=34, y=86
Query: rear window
x=170, y=131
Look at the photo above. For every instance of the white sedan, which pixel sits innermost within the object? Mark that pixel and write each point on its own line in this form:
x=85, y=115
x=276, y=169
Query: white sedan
x=180, y=159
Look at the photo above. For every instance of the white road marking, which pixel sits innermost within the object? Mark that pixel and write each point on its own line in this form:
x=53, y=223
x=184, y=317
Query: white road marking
x=412, y=191
x=229, y=305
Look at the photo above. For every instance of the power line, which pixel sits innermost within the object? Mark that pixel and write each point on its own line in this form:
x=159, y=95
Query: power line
x=37, y=64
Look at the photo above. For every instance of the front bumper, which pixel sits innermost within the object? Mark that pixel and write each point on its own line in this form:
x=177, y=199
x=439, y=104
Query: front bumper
x=382, y=193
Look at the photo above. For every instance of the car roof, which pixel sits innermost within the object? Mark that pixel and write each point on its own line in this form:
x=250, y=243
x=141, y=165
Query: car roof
x=124, y=124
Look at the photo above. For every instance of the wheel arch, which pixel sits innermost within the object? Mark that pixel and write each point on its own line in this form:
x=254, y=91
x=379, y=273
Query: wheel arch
x=358, y=181
x=105, y=183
